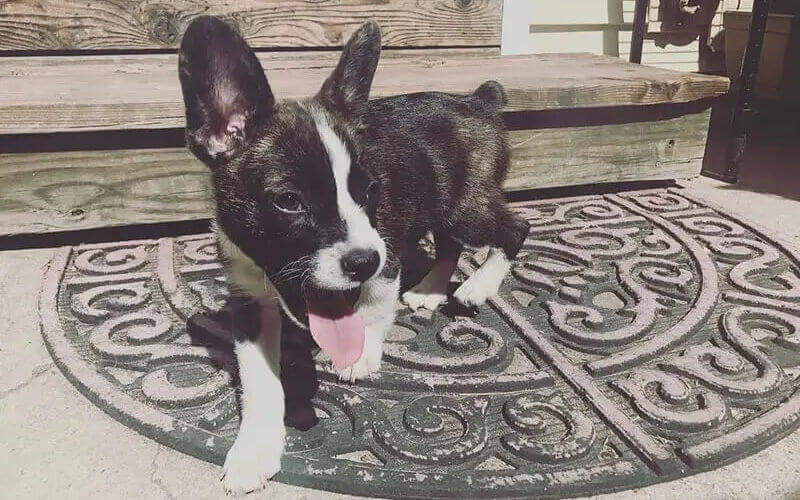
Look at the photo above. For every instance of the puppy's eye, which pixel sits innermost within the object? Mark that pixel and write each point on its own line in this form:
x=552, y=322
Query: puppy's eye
x=289, y=202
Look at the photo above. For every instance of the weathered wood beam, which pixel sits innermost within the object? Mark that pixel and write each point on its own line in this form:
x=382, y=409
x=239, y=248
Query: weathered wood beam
x=46, y=192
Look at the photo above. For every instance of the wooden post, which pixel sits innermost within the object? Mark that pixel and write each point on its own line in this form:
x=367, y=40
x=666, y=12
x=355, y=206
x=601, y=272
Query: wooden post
x=639, y=30
x=744, y=95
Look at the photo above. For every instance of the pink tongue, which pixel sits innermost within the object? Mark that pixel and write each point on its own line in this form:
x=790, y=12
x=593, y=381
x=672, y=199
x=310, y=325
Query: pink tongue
x=340, y=335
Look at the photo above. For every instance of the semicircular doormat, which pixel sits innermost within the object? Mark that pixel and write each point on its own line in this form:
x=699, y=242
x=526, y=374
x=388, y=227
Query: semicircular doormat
x=640, y=337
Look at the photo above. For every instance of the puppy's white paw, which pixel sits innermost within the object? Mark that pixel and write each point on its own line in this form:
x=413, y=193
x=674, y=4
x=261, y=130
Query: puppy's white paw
x=474, y=292
x=416, y=299
x=367, y=364
x=485, y=281
x=253, y=460
x=432, y=290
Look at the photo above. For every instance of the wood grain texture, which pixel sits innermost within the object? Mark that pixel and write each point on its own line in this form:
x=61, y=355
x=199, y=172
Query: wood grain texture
x=66, y=94
x=666, y=149
x=45, y=192
x=155, y=24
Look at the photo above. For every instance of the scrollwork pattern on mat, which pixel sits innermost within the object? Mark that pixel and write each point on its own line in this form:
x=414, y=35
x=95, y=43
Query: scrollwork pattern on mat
x=639, y=337
x=671, y=403
x=533, y=417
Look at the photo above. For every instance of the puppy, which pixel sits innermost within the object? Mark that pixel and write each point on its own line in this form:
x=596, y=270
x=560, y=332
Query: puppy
x=319, y=201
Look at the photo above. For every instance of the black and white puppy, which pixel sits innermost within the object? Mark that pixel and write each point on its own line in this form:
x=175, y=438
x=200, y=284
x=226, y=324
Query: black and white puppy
x=318, y=202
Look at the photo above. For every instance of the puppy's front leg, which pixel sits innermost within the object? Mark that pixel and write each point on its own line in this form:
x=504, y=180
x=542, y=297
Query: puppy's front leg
x=377, y=306
x=256, y=454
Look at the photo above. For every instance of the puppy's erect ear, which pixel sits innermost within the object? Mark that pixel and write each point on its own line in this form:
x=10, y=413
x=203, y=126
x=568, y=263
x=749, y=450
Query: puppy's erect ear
x=347, y=89
x=224, y=89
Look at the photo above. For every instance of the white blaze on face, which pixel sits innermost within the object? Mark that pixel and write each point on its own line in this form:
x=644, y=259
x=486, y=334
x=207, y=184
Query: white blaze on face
x=359, y=231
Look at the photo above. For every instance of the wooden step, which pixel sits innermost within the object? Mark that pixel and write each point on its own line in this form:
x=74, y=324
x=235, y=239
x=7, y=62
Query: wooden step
x=65, y=191
x=574, y=119
x=155, y=24
x=70, y=93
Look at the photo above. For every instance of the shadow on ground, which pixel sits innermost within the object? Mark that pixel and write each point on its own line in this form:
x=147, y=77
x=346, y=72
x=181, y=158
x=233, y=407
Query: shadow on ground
x=772, y=160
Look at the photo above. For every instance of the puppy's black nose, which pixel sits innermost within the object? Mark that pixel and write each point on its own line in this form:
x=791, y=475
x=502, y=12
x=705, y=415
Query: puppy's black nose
x=360, y=264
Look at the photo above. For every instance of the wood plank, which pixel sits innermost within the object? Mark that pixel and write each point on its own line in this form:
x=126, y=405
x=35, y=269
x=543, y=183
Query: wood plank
x=58, y=94
x=155, y=24
x=667, y=149
x=45, y=192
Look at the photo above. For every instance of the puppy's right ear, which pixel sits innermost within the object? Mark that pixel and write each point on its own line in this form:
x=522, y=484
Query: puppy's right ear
x=224, y=89
x=347, y=89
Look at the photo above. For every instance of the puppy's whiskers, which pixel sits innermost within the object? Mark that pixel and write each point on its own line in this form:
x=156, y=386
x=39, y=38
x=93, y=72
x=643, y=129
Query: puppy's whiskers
x=294, y=269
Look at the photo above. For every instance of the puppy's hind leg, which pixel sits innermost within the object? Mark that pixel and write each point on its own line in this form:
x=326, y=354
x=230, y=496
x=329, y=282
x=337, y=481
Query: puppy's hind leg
x=432, y=290
x=509, y=236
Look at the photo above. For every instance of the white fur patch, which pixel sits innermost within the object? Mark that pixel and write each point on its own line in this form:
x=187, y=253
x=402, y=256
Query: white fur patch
x=432, y=290
x=256, y=454
x=485, y=281
x=360, y=233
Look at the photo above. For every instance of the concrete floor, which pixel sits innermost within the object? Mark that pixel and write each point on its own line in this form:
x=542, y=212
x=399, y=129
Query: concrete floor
x=55, y=443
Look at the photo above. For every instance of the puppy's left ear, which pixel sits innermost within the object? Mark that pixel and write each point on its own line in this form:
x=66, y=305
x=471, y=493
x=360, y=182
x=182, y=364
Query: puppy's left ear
x=347, y=89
